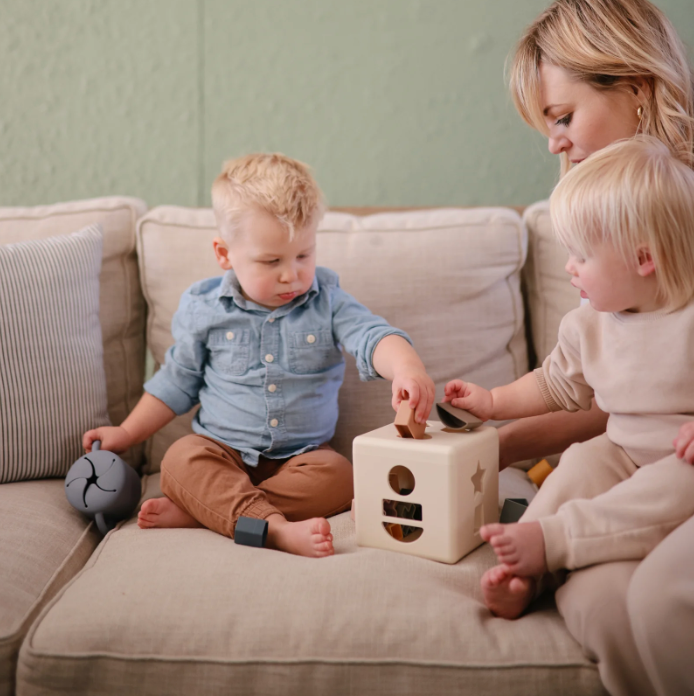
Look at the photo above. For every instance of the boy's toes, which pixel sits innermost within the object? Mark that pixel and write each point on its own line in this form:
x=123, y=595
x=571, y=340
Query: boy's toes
x=491, y=530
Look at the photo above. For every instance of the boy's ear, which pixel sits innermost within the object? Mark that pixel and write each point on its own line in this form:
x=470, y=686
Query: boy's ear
x=646, y=266
x=221, y=251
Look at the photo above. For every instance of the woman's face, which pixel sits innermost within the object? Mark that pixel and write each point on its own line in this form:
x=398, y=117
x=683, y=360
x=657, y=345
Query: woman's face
x=582, y=119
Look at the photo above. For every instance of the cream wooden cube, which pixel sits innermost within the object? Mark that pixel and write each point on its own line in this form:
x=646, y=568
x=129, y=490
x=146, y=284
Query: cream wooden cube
x=453, y=476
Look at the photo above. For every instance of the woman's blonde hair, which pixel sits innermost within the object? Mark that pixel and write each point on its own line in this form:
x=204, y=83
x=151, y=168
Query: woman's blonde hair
x=632, y=194
x=272, y=183
x=604, y=43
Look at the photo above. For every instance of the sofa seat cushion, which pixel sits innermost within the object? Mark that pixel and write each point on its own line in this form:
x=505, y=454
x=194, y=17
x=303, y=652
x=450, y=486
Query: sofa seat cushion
x=43, y=543
x=180, y=611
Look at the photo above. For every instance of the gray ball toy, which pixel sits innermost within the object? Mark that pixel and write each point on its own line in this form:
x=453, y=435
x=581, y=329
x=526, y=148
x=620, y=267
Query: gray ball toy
x=102, y=486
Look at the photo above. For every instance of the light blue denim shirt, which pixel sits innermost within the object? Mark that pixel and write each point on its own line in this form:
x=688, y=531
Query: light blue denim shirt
x=266, y=380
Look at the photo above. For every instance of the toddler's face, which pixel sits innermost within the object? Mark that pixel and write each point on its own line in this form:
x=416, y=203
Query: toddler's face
x=610, y=283
x=272, y=269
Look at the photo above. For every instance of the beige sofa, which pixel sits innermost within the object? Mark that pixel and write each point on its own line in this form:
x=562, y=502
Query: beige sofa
x=190, y=612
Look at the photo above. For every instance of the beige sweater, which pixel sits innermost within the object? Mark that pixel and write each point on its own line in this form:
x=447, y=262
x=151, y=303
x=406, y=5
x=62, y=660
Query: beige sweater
x=640, y=367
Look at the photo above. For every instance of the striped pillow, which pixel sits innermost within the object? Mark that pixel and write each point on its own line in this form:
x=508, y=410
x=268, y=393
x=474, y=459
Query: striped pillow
x=52, y=381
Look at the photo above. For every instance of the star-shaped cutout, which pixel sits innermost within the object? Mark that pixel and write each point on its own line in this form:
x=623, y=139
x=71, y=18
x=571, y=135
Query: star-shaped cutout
x=477, y=477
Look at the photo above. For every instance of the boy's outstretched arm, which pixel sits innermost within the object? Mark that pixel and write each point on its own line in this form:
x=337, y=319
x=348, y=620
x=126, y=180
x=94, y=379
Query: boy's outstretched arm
x=149, y=415
x=395, y=359
x=519, y=399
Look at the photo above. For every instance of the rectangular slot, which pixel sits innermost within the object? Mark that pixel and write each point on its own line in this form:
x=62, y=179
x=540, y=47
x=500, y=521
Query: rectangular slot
x=402, y=509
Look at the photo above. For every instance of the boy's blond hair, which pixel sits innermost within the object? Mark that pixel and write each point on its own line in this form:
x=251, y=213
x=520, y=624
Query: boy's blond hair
x=273, y=183
x=632, y=193
x=604, y=43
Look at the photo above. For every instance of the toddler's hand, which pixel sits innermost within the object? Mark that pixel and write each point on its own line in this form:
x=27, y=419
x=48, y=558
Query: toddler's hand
x=418, y=388
x=470, y=397
x=684, y=442
x=113, y=439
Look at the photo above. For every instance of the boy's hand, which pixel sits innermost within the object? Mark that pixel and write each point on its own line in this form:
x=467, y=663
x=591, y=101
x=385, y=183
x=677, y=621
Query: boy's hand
x=684, y=443
x=113, y=439
x=470, y=397
x=418, y=389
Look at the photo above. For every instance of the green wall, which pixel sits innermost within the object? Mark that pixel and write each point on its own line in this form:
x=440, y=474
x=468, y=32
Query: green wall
x=392, y=102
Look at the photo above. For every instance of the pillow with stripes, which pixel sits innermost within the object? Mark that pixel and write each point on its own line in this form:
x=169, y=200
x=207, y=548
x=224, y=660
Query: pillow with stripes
x=52, y=380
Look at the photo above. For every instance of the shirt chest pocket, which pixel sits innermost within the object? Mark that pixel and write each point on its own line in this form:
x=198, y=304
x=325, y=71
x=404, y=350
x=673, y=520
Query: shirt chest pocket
x=230, y=350
x=313, y=351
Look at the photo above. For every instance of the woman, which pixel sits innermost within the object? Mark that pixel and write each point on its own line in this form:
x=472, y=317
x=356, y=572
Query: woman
x=587, y=73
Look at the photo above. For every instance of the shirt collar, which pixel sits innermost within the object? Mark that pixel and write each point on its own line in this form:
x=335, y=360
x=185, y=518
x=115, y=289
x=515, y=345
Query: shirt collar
x=230, y=293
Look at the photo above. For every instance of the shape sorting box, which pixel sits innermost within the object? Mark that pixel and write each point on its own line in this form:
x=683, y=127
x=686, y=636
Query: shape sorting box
x=426, y=497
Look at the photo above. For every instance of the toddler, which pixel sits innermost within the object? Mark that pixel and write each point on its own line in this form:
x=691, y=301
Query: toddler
x=626, y=216
x=259, y=349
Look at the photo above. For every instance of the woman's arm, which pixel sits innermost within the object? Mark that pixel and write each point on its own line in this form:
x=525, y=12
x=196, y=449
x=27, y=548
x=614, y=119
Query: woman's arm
x=540, y=436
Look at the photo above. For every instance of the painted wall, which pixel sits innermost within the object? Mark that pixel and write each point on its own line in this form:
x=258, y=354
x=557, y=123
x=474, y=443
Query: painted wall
x=392, y=102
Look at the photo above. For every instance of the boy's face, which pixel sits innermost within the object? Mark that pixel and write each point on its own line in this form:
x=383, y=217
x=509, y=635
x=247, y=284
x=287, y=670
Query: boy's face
x=610, y=283
x=272, y=269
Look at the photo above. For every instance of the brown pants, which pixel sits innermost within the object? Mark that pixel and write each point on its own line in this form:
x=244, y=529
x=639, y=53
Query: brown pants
x=210, y=481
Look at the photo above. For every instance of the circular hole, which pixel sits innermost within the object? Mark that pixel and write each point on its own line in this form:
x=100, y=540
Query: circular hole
x=401, y=480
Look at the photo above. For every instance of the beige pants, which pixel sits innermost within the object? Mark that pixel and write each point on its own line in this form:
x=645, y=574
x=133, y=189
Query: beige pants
x=210, y=481
x=635, y=618
x=598, y=506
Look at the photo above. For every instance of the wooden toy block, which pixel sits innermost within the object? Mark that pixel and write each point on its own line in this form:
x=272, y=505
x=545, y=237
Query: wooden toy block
x=250, y=531
x=457, y=418
x=426, y=497
x=405, y=423
x=540, y=472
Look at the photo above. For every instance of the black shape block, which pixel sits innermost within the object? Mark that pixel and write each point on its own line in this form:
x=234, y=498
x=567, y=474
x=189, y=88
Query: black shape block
x=513, y=510
x=251, y=532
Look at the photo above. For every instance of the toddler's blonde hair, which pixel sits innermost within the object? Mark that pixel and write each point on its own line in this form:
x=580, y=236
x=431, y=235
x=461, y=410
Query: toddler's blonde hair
x=630, y=194
x=603, y=43
x=273, y=183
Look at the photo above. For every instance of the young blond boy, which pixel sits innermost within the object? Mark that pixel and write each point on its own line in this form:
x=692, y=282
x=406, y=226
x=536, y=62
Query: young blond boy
x=626, y=215
x=259, y=349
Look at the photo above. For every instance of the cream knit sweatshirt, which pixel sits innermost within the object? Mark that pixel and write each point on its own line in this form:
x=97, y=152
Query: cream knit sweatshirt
x=639, y=366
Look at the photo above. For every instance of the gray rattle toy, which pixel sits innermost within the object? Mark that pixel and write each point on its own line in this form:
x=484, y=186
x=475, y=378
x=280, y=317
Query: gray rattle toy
x=102, y=486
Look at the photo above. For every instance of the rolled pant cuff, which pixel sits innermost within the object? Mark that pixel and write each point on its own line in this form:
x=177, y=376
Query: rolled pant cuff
x=557, y=543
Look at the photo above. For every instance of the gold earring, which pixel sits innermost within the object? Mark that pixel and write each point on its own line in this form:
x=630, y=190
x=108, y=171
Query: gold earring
x=639, y=112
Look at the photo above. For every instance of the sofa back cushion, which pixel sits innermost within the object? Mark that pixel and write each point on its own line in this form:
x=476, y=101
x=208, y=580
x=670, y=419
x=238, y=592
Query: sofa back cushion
x=549, y=292
x=450, y=278
x=122, y=308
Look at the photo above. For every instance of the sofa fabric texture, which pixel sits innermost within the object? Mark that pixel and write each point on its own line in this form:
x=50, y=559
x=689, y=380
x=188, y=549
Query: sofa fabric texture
x=196, y=613
x=122, y=307
x=53, y=386
x=44, y=542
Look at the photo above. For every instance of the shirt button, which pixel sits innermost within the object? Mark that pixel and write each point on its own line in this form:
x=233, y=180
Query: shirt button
x=269, y=358
x=230, y=335
x=274, y=422
x=272, y=388
x=311, y=338
x=271, y=319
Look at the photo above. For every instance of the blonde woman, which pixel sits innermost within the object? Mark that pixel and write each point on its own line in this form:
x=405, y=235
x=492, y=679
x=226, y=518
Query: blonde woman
x=585, y=74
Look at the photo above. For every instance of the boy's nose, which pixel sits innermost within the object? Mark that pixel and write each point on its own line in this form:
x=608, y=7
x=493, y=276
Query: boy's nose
x=289, y=274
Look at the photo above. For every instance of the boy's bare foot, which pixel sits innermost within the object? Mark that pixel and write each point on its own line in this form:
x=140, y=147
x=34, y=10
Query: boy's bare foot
x=310, y=538
x=506, y=595
x=163, y=512
x=520, y=547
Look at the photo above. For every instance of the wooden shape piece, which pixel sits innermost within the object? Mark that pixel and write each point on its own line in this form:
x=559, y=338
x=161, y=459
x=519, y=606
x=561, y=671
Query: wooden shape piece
x=406, y=425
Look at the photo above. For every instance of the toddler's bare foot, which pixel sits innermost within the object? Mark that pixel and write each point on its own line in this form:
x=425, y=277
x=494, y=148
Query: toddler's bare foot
x=506, y=595
x=163, y=512
x=519, y=546
x=310, y=538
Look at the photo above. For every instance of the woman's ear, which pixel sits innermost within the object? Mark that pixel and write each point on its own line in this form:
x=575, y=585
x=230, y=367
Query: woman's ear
x=642, y=89
x=221, y=251
x=646, y=266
